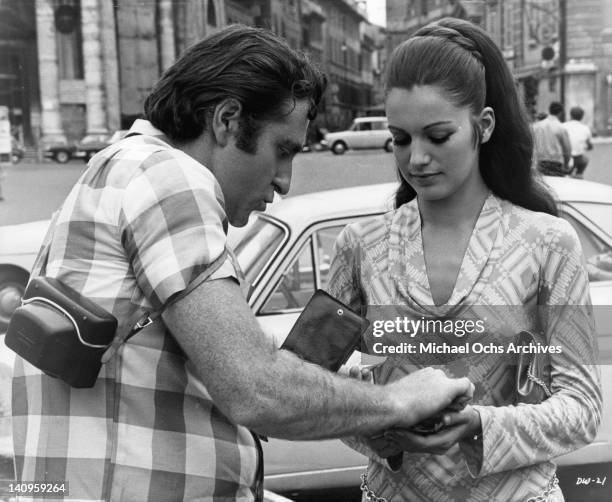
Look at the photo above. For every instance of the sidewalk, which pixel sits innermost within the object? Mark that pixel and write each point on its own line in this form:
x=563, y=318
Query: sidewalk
x=601, y=140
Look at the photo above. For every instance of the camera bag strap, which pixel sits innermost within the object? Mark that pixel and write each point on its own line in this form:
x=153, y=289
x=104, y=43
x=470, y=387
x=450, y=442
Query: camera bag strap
x=143, y=318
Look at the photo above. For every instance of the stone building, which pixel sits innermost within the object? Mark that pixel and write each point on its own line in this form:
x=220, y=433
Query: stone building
x=75, y=67
x=350, y=59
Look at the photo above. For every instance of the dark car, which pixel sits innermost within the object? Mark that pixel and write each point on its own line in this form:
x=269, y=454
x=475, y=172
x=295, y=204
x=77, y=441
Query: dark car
x=84, y=149
x=93, y=143
x=60, y=152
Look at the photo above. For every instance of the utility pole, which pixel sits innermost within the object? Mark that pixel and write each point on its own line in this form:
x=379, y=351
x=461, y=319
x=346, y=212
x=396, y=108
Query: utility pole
x=562, y=47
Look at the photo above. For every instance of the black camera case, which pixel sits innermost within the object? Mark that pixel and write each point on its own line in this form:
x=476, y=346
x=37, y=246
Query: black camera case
x=61, y=332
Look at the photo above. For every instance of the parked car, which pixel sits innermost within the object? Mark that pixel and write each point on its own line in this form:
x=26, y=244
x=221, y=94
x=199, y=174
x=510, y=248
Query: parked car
x=365, y=132
x=286, y=252
x=60, y=152
x=84, y=149
x=93, y=143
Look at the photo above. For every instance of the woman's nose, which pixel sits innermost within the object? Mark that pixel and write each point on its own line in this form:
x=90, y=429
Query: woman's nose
x=418, y=154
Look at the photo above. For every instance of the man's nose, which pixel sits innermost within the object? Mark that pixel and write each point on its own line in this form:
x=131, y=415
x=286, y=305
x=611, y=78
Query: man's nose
x=282, y=181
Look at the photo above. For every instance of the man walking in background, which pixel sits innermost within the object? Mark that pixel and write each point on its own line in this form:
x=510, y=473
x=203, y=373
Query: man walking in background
x=552, y=144
x=580, y=140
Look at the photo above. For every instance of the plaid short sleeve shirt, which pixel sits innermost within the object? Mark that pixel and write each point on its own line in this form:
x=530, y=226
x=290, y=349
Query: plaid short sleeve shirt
x=139, y=226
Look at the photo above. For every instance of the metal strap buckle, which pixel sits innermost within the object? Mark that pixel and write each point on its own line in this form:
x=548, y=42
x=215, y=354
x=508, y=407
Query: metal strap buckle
x=143, y=322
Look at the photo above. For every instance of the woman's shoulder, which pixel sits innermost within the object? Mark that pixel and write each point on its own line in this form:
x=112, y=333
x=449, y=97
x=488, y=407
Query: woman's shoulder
x=541, y=227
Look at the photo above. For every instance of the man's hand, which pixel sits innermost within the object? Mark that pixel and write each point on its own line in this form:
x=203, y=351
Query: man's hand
x=457, y=426
x=426, y=392
x=379, y=444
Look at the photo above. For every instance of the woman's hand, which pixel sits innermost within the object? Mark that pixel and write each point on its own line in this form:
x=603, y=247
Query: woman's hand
x=457, y=426
x=383, y=446
x=363, y=373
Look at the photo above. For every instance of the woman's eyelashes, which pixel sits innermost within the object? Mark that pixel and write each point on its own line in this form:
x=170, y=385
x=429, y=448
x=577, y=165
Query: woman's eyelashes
x=438, y=139
x=405, y=139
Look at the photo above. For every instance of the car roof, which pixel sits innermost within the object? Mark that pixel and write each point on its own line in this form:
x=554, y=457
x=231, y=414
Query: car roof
x=575, y=190
x=370, y=119
x=373, y=199
x=333, y=204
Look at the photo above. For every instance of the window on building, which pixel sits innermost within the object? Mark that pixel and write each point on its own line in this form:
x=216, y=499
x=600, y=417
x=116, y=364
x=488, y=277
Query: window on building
x=69, y=43
x=211, y=13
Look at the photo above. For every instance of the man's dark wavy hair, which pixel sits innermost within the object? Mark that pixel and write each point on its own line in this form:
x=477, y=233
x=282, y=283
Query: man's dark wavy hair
x=251, y=65
x=463, y=60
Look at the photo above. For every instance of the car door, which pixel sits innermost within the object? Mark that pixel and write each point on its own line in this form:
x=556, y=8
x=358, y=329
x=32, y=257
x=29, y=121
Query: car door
x=380, y=134
x=592, y=223
x=304, y=464
x=361, y=137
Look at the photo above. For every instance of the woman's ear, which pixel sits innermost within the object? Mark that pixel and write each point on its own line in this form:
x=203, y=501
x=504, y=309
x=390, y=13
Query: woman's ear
x=486, y=121
x=225, y=120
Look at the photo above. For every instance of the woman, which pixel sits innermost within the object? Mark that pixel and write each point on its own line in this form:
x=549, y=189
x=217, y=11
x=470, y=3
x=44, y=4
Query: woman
x=472, y=230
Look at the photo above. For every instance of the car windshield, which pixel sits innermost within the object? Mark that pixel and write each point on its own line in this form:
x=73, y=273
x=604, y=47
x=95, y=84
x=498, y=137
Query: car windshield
x=91, y=138
x=600, y=214
x=255, y=244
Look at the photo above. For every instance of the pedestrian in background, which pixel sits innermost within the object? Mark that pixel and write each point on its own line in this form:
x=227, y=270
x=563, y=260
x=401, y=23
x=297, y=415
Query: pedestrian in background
x=552, y=144
x=580, y=141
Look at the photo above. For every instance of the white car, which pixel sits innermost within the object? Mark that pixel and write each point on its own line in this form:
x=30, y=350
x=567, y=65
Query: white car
x=286, y=253
x=365, y=132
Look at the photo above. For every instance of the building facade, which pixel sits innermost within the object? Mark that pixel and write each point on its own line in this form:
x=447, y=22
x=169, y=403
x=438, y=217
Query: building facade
x=558, y=50
x=75, y=67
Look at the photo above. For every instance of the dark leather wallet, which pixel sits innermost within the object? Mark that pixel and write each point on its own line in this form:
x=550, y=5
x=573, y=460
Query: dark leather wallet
x=326, y=333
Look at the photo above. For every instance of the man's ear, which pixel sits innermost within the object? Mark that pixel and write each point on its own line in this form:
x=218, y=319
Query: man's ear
x=225, y=120
x=486, y=121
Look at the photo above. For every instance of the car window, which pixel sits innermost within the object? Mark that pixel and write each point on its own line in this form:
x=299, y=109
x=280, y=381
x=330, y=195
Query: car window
x=256, y=245
x=296, y=285
x=365, y=126
x=306, y=273
x=325, y=239
x=598, y=213
x=92, y=138
x=598, y=254
x=379, y=126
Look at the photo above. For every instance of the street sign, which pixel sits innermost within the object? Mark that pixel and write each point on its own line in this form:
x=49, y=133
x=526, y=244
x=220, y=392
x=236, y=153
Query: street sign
x=5, y=132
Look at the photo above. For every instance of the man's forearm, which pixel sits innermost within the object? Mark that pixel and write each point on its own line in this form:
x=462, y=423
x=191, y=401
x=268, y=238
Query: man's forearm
x=296, y=400
x=274, y=392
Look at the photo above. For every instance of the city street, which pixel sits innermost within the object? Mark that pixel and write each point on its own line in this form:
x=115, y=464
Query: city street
x=34, y=191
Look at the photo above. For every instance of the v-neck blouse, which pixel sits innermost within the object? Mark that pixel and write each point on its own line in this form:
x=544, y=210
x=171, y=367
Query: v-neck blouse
x=517, y=262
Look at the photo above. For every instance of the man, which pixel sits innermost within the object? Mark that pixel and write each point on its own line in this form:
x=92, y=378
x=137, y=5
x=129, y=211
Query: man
x=552, y=145
x=169, y=417
x=580, y=141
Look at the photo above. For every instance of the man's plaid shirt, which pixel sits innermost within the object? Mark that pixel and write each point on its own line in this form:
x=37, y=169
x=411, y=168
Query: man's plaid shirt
x=142, y=222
